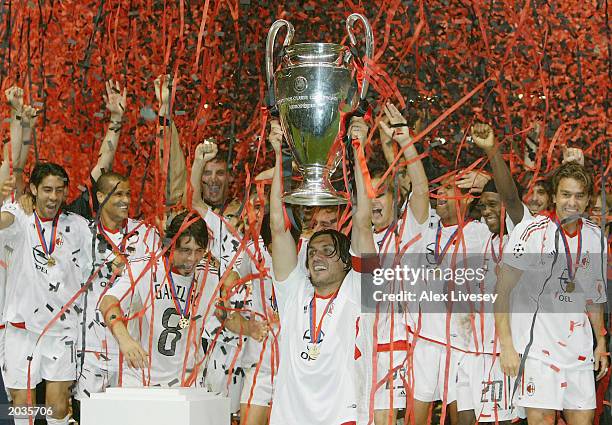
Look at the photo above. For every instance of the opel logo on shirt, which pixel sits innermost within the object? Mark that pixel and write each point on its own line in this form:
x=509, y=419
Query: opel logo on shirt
x=39, y=255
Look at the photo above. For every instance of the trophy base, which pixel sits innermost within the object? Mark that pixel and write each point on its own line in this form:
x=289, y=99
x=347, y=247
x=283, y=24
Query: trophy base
x=315, y=199
x=315, y=190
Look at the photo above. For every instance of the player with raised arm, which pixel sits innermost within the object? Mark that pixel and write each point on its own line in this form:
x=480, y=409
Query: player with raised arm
x=118, y=239
x=51, y=260
x=393, y=240
x=22, y=121
x=442, y=244
x=317, y=378
x=484, y=393
x=551, y=292
x=224, y=335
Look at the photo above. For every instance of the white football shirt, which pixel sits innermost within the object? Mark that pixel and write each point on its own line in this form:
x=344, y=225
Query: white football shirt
x=562, y=331
x=322, y=390
x=36, y=290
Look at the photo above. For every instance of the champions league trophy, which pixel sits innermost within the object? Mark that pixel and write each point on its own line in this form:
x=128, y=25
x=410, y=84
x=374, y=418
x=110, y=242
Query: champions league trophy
x=313, y=89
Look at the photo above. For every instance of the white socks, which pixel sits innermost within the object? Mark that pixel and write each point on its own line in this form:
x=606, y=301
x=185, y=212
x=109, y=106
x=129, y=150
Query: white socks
x=53, y=421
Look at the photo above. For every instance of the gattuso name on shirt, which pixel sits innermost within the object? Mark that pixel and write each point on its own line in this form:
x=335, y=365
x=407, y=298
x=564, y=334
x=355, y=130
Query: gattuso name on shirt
x=164, y=293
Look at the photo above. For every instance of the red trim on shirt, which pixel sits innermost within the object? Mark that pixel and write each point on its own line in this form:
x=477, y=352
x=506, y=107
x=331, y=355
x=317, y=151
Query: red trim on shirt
x=117, y=230
x=324, y=297
x=19, y=325
x=402, y=345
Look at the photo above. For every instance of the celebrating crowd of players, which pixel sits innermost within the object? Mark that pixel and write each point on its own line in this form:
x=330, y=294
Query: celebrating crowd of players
x=272, y=316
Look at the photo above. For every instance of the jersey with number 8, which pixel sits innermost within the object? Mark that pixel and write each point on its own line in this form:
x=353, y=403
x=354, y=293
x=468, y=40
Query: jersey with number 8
x=175, y=350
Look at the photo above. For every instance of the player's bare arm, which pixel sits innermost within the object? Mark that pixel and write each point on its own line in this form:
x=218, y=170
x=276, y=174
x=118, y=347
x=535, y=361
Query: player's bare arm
x=177, y=168
x=362, y=241
x=14, y=98
x=284, y=251
x=484, y=138
x=115, y=100
x=204, y=152
x=131, y=349
x=507, y=279
x=398, y=130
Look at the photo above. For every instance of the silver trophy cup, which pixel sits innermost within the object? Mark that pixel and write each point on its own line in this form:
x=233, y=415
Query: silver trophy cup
x=314, y=88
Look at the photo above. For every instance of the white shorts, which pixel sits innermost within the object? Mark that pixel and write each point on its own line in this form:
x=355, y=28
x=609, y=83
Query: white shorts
x=545, y=387
x=262, y=392
x=52, y=359
x=95, y=376
x=394, y=385
x=483, y=388
x=429, y=366
x=220, y=378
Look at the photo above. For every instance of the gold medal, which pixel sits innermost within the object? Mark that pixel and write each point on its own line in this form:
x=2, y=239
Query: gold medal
x=184, y=322
x=314, y=351
x=571, y=286
x=51, y=262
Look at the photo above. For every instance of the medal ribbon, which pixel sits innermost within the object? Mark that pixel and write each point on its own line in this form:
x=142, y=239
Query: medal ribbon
x=121, y=248
x=438, y=257
x=314, y=333
x=568, y=254
x=496, y=258
x=175, y=299
x=48, y=250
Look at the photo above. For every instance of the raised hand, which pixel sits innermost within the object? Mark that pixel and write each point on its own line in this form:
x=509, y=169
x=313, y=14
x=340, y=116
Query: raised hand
x=483, y=137
x=573, y=155
x=358, y=129
x=14, y=97
x=163, y=85
x=475, y=181
x=396, y=127
x=30, y=114
x=206, y=150
x=275, y=137
x=115, y=99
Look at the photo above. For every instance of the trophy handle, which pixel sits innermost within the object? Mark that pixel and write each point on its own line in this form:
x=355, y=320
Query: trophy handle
x=369, y=53
x=276, y=26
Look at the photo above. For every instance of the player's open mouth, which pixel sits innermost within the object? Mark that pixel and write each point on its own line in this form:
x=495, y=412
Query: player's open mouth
x=377, y=211
x=317, y=267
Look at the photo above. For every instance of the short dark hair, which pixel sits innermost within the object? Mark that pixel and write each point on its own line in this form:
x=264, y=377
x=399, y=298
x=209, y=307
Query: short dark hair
x=107, y=180
x=196, y=230
x=342, y=245
x=45, y=169
x=222, y=156
x=575, y=171
x=266, y=232
x=545, y=184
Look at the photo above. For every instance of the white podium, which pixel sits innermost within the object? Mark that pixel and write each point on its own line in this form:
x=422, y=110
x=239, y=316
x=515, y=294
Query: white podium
x=155, y=406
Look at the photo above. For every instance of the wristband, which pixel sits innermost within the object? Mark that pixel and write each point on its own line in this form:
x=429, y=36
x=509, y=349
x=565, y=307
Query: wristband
x=166, y=122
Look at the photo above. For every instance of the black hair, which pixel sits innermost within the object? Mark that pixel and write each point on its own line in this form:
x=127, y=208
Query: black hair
x=342, y=246
x=196, y=230
x=490, y=187
x=266, y=232
x=45, y=169
x=108, y=180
